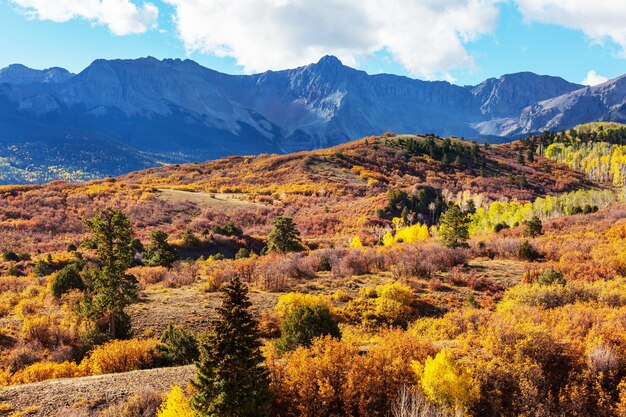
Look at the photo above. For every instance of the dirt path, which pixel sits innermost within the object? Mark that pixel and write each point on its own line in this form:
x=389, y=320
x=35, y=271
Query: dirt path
x=50, y=397
x=206, y=200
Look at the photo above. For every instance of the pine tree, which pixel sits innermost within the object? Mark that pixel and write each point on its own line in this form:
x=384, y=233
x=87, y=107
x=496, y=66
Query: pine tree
x=534, y=227
x=453, y=228
x=284, y=236
x=230, y=380
x=111, y=289
x=159, y=252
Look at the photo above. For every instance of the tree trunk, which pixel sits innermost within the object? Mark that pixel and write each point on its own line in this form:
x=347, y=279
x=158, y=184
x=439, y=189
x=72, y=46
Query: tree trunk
x=112, y=325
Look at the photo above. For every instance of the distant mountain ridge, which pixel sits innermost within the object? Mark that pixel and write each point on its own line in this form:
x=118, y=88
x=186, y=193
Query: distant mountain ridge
x=20, y=74
x=120, y=115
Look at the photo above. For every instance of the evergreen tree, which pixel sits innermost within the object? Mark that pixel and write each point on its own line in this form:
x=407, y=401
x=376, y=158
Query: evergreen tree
x=475, y=152
x=66, y=280
x=523, y=182
x=453, y=228
x=159, y=252
x=111, y=289
x=230, y=380
x=534, y=227
x=470, y=207
x=190, y=240
x=177, y=346
x=284, y=236
x=303, y=324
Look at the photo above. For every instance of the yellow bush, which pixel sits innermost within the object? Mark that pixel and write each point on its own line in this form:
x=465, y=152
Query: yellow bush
x=123, y=356
x=28, y=307
x=406, y=234
x=42, y=371
x=5, y=378
x=388, y=239
x=356, y=242
x=176, y=404
x=295, y=300
x=47, y=330
x=341, y=295
x=368, y=292
x=393, y=304
x=617, y=232
x=395, y=291
x=444, y=383
x=8, y=300
x=412, y=234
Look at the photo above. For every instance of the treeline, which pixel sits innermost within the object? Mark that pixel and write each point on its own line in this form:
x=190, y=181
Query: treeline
x=513, y=213
x=448, y=151
x=599, y=153
x=415, y=212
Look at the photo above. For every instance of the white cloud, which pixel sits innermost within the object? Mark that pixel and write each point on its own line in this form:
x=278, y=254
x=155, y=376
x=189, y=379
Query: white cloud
x=593, y=78
x=122, y=17
x=427, y=37
x=598, y=19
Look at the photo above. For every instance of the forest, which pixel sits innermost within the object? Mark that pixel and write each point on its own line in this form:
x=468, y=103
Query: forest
x=397, y=275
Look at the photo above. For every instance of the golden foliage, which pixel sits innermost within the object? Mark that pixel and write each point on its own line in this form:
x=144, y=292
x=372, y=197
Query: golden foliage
x=176, y=404
x=393, y=304
x=295, y=300
x=123, y=356
x=42, y=371
x=444, y=382
x=333, y=377
x=356, y=242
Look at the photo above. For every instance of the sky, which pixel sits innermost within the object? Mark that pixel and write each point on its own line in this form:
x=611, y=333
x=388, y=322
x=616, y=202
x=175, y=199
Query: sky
x=461, y=41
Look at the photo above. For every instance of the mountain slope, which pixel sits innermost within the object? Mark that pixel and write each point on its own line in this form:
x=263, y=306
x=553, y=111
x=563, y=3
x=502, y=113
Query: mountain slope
x=508, y=95
x=327, y=103
x=19, y=74
x=604, y=102
x=145, y=112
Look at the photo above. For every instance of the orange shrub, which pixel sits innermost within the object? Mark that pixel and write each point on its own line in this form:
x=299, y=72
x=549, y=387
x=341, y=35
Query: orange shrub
x=123, y=356
x=333, y=377
x=148, y=275
x=46, y=330
x=42, y=371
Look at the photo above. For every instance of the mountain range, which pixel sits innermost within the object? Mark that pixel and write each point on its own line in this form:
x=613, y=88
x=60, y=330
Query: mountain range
x=116, y=116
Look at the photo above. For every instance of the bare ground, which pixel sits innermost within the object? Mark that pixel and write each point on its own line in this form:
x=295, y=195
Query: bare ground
x=56, y=397
x=206, y=200
x=188, y=306
x=505, y=272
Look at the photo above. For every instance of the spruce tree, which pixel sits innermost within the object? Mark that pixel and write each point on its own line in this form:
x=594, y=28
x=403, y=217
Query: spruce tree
x=534, y=227
x=453, y=228
x=230, y=379
x=111, y=289
x=159, y=252
x=284, y=236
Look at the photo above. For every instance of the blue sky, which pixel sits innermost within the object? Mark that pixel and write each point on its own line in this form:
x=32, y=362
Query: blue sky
x=465, y=41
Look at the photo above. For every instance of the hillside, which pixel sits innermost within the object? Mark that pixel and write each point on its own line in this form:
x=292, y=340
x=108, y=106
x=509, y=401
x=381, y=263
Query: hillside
x=532, y=289
x=118, y=116
x=60, y=398
x=331, y=193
